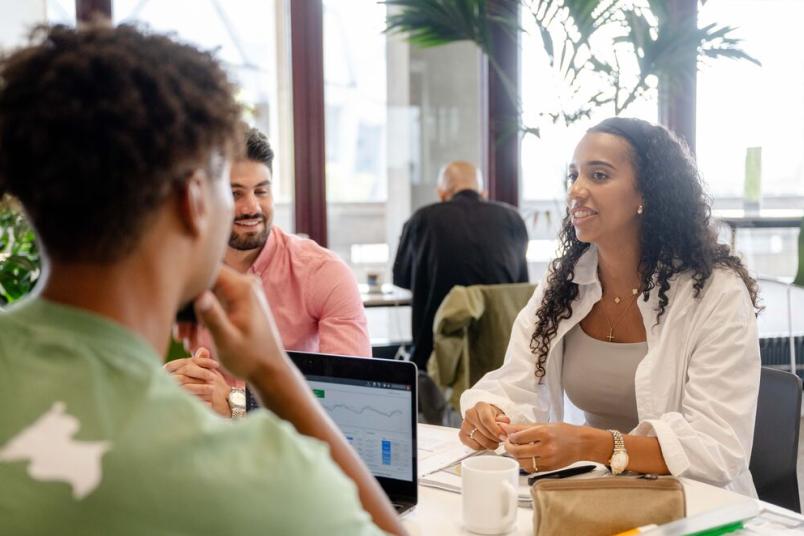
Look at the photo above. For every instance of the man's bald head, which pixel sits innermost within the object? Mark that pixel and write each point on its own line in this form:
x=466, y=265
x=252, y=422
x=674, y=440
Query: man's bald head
x=458, y=176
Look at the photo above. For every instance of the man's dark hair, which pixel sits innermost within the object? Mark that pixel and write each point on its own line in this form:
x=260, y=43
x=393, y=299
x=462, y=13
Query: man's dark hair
x=99, y=124
x=258, y=148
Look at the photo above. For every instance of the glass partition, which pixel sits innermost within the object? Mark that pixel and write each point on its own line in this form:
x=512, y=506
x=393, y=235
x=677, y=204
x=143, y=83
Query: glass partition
x=394, y=115
x=742, y=107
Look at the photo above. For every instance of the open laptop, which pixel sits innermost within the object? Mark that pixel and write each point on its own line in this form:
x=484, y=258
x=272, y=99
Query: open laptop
x=373, y=402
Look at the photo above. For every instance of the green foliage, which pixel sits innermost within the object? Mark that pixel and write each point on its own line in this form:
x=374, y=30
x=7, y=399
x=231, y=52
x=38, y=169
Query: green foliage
x=430, y=23
x=573, y=33
x=19, y=256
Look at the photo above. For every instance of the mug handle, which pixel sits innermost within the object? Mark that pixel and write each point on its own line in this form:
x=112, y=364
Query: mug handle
x=509, y=502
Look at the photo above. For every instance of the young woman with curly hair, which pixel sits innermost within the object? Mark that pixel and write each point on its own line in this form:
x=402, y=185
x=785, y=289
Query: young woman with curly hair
x=644, y=323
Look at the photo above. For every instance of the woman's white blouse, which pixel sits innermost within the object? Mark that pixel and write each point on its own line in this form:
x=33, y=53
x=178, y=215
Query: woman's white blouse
x=696, y=388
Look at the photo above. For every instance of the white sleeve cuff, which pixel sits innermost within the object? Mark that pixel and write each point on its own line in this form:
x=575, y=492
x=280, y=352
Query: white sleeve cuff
x=674, y=455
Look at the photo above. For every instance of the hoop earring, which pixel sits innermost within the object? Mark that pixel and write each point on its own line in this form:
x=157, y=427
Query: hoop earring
x=640, y=210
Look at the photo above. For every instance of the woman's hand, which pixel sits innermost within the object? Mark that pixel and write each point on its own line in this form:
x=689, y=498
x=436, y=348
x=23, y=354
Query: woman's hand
x=544, y=447
x=481, y=427
x=199, y=375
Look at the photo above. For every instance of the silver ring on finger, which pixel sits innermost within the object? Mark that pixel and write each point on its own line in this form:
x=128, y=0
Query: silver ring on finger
x=533, y=462
x=472, y=434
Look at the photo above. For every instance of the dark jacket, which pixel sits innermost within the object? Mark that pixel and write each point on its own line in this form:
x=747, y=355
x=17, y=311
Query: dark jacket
x=465, y=241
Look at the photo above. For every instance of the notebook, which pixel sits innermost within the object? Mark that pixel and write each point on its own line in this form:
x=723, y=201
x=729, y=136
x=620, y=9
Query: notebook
x=373, y=402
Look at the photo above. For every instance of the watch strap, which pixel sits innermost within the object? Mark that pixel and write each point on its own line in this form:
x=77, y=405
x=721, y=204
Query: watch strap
x=237, y=402
x=619, y=448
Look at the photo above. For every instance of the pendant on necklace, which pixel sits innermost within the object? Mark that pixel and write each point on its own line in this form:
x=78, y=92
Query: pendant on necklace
x=611, y=335
x=634, y=292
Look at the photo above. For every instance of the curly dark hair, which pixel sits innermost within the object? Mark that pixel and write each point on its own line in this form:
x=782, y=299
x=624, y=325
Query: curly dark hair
x=98, y=124
x=258, y=148
x=676, y=235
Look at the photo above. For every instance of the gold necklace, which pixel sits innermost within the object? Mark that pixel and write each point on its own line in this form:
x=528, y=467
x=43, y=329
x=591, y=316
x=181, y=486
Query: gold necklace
x=634, y=292
x=619, y=319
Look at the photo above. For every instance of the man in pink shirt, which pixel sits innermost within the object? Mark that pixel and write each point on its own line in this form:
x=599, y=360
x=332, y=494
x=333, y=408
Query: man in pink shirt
x=312, y=293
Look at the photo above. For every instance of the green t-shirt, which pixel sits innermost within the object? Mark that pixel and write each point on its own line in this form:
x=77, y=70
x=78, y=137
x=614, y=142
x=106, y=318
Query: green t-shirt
x=95, y=438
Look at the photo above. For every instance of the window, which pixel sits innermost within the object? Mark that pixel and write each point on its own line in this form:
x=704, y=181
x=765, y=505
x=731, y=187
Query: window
x=742, y=105
x=249, y=38
x=545, y=159
x=20, y=17
x=394, y=115
x=356, y=101
x=60, y=12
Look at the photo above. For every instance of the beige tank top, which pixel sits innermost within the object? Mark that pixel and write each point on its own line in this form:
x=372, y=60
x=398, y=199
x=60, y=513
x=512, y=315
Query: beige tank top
x=598, y=378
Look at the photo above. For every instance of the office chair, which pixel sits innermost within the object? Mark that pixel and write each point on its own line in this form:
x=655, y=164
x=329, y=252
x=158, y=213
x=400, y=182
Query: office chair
x=775, y=451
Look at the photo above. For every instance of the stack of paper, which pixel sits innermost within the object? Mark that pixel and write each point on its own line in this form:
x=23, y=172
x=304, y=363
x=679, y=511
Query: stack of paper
x=438, y=448
x=449, y=479
x=440, y=459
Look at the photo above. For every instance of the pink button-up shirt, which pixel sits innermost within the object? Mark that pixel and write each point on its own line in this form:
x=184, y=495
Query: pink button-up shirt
x=313, y=297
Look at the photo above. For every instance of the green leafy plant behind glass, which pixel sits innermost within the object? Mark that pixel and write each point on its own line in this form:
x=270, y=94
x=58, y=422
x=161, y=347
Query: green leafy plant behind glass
x=588, y=43
x=19, y=256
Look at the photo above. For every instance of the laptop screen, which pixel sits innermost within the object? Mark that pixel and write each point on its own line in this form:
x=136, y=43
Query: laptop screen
x=376, y=419
x=373, y=402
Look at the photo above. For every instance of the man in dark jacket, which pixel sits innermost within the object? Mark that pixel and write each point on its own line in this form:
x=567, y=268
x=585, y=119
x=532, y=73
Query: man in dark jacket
x=463, y=240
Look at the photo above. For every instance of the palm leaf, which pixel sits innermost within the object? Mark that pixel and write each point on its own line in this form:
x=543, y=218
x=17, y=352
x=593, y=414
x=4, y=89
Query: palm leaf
x=717, y=42
x=668, y=54
x=567, y=28
x=589, y=15
x=429, y=23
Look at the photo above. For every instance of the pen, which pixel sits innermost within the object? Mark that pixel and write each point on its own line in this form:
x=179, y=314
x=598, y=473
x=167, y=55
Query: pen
x=712, y=531
x=717, y=531
x=638, y=530
x=563, y=473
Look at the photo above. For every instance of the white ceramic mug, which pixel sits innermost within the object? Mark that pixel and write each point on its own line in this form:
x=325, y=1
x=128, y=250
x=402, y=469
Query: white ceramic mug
x=489, y=492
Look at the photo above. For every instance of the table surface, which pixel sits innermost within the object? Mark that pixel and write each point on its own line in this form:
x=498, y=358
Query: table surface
x=773, y=321
x=762, y=218
x=439, y=512
x=390, y=296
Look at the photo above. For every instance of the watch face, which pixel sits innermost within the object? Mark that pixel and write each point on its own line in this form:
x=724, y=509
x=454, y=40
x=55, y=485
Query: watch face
x=237, y=398
x=619, y=461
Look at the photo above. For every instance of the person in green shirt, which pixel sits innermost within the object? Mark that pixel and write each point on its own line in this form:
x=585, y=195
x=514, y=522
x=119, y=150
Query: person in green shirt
x=117, y=141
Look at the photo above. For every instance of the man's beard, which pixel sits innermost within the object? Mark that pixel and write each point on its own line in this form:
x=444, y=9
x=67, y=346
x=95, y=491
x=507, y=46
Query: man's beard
x=250, y=241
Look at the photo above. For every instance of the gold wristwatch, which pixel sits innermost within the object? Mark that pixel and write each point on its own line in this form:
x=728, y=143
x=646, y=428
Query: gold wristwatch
x=237, y=402
x=619, y=456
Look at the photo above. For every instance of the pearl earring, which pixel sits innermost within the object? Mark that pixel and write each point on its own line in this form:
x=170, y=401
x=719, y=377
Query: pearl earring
x=639, y=210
